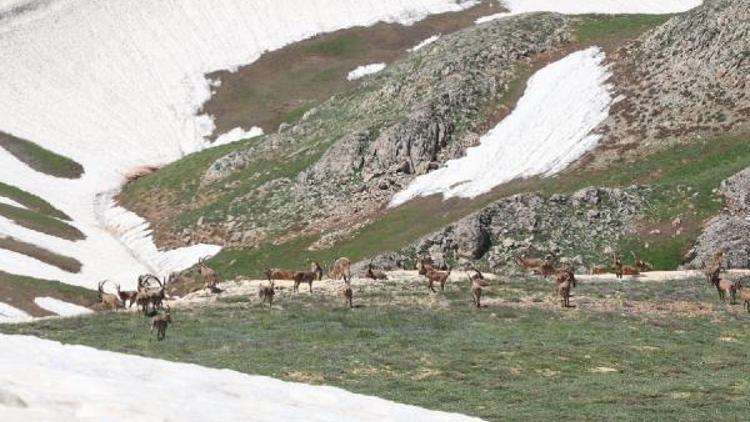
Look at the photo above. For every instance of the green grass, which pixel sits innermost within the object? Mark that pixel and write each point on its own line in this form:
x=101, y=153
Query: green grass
x=505, y=362
x=40, y=159
x=607, y=28
x=41, y=222
x=19, y=291
x=63, y=262
x=32, y=202
x=342, y=46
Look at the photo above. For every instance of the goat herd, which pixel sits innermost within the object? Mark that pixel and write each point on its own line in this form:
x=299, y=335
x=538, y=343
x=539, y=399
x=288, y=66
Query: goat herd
x=151, y=292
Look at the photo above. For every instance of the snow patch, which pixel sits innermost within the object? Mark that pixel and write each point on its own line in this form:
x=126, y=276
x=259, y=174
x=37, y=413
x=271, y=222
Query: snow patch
x=424, y=43
x=578, y=7
x=62, y=382
x=362, y=71
x=10, y=314
x=60, y=307
x=549, y=128
x=237, y=134
x=8, y=201
x=118, y=86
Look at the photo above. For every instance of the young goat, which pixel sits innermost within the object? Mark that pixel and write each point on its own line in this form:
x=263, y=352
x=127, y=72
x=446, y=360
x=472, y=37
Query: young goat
x=437, y=276
x=109, y=300
x=375, y=274
x=725, y=287
x=160, y=322
x=348, y=293
x=207, y=273
x=266, y=293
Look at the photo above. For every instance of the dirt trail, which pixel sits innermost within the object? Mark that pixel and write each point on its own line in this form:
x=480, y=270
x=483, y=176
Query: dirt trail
x=661, y=275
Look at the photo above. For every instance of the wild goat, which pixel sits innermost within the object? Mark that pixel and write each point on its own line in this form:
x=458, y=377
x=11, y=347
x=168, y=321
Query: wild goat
x=147, y=295
x=477, y=284
x=109, y=300
x=599, y=269
x=713, y=269
x=348, y=293
x=340, y=269
x=424, y=263
x=127, y=297
x=279, y=274
x=563, y=290
x=565, y=274
x=207, y=273
x=307, y=276
x=724, y=287
x=375, y=274
x=744, y=295
x=642, y=265
x=266, y=293
x=621, y=269
x=545, y=266
x=434, y=275
x=160, y=322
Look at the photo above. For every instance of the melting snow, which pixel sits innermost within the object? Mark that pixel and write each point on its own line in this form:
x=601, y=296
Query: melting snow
x=237, y=134
x=8, y=201
x=62, y=382
x=577, y=7
x=365, y=70
x=549, y=128
x=117, y=85
x=60, y=307
x=11, y=314
x=424, y=43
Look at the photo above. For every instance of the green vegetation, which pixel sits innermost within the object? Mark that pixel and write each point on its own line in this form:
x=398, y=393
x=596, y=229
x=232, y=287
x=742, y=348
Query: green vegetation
x=342, y=46
x=40, y=222
x=673, y=352
x=32, y=202
x=63, y=262
x=606, y=29
x=19, y=291
x=40, y=159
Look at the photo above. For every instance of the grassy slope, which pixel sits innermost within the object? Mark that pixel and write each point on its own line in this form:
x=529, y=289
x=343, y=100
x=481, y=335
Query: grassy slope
x=506, y=362
x=63, y=262
x=32, y=202
x=20, y=292
x=41, y=222
x=40, y=159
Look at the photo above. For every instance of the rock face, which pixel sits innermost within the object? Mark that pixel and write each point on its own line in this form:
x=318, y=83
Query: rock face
x=729, y=231
x=583, y=227
x=690, y=75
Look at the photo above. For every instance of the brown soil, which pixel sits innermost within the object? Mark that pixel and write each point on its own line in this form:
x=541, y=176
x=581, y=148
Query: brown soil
x=284, y=83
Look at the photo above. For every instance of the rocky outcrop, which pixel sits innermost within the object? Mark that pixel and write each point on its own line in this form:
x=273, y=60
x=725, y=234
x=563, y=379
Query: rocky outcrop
x=583, y=227
x=729, y=231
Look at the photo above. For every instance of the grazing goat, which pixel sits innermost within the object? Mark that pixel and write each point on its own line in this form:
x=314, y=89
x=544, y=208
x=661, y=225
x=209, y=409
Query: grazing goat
x=160, y=322
x=642, y=265
x=266, y=293
x=375, y=274
x=437, y=276
x=279, y=274
x=545, y=266
x=724, y=287
x=308, y=276
x=340, y=269
x=127, y=297
x=109, y=300
x=207, y=273
x=348, y=293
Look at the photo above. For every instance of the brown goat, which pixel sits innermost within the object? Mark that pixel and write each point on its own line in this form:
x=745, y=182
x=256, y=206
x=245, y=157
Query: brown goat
x=642, y=265
x=340, y=269
x=109, y=300
x=424, y=264
x=279, y=274
x=621, y=269
x=437, y=276
x=712, y=269
x=266, y=293
x=725, y=287
x=744, y=295
x=563, y=290
x=207, y=273
x=599, y=269
x=375, y=274
x=160, y=322
x=127, y=297
x=308, y=276
x=536, y=265
x=348, y=293
x=477, y=284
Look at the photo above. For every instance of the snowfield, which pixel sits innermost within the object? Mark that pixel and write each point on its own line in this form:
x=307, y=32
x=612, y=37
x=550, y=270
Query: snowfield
x=117, y=86
x=59, y=382
x=60, y=307
x=425, y=43
x=577, y=7
x=11, y=314
x=574, y=96
x=362, y=71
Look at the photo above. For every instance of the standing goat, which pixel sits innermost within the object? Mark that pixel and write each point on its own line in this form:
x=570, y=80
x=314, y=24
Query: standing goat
x=545, y=266
x=109, y=300
x=424, y=263
x=563, y=290
x=744, y=295
x=434, y=276
x=207, y=273
x=642, y=265
x=308, y=276
x=713, y=269
x=477, y=284
x=127, y=297
x=340, y=269
x=160, y=322
x=266, y=293
x=725, y=287
x=348, y=293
